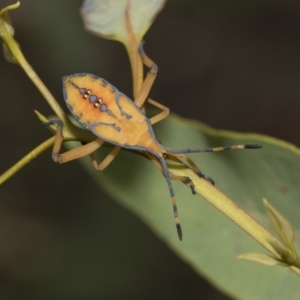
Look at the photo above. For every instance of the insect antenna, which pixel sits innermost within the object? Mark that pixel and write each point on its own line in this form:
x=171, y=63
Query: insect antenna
x=215, y=149
x=173, y=199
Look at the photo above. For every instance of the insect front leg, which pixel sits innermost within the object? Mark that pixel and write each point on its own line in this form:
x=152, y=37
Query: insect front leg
x=58, y=138
x=74, y=153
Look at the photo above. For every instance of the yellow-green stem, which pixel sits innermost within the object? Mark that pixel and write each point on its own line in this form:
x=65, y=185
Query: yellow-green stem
x=15, y=50
x=26, y=159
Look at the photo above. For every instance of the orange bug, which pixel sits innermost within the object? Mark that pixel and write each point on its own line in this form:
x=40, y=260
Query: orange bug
x=113, y=118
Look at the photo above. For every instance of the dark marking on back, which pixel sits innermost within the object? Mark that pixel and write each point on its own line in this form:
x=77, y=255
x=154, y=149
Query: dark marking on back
x=123, y=113
x=93, y=98
x=103, y=107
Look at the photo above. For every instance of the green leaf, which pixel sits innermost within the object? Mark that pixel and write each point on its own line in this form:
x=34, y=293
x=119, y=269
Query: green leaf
x=211, y=242
x=115, y=19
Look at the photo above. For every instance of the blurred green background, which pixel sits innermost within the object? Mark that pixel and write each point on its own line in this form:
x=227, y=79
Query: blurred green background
x=231, y=64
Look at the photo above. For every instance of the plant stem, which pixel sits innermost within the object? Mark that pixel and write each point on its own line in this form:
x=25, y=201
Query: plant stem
x=26, y=159
x=17, y=53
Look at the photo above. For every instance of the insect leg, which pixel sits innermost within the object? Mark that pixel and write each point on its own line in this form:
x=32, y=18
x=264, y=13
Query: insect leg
x=173, y=199
x=162, y=115
x=108, y=159
x=194, y=167
x=187, y=180
x=183, y=179
x=74, y=153
x=149, y=79
x=77, y=152
x=58, y=138
x=215, y=149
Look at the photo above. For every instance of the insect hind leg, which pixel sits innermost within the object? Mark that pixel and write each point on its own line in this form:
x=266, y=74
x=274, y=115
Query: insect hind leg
x=195, y=168
x=187, y=180
x=107, y=160
x=214, y=149
x=184, y=179
x=173, y=199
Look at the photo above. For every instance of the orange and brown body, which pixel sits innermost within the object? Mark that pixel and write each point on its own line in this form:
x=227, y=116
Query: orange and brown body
x=109, y=114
